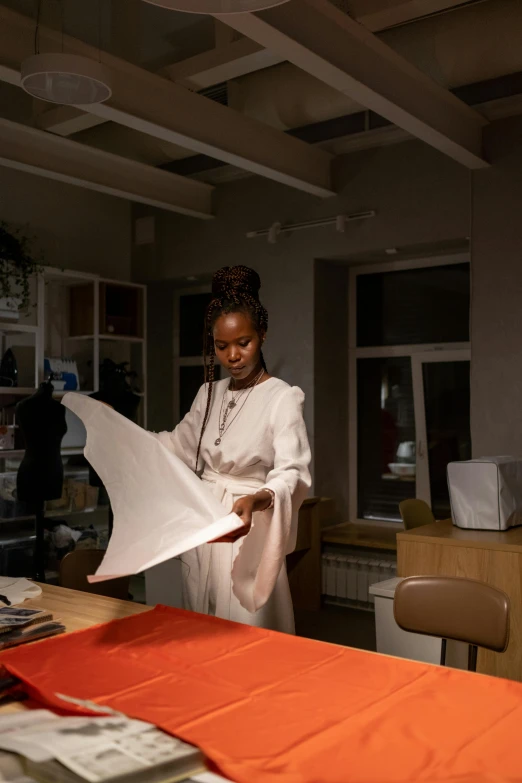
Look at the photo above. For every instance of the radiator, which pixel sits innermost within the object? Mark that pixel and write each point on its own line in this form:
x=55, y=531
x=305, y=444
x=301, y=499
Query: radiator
x=347, y=578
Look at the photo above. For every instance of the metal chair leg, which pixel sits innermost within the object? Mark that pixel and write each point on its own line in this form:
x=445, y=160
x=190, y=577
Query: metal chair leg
x=443, y=652
x=472, y=658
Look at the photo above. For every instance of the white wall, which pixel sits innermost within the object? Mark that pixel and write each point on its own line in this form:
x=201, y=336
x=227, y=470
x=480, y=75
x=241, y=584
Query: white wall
x=74, y=228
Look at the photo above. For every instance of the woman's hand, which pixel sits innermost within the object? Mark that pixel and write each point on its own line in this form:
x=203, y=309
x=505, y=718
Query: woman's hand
x=245, y=507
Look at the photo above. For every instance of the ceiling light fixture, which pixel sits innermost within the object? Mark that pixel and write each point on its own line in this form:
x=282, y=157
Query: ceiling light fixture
x=339, y=221
x=216, y=6
x=65, y=78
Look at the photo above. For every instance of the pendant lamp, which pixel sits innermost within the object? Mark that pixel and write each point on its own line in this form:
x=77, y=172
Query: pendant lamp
x=216, y=6
x=58, y=77
x=67, y=79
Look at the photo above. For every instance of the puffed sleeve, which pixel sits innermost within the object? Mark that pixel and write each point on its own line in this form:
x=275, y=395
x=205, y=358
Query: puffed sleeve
x=183, y=440
x=274, y=532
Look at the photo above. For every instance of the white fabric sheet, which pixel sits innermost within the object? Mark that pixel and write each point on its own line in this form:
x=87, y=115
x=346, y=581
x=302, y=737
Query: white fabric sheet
x=161, y=508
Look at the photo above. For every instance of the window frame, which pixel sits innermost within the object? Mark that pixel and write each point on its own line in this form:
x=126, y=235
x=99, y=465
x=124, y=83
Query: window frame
x=435, y=350
x=423, y=486
x=183, y=361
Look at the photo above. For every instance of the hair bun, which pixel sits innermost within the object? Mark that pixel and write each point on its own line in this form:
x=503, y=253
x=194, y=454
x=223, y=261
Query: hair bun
x=236, y=280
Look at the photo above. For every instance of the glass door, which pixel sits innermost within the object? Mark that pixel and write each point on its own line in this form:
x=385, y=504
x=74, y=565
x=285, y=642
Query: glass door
x=441, y=385
x=386, y=436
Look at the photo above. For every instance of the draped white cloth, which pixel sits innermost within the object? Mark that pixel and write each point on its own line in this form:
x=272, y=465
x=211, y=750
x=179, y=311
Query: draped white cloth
x=160, y=507
x=266, y=445
x=18, y=590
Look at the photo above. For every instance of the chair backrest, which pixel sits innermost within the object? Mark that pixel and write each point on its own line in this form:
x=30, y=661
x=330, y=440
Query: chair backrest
x=415, y=513
x=77, y=565
x=455, y=608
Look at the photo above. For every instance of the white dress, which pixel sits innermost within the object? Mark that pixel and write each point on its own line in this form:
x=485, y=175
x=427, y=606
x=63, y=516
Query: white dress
x=265, y=445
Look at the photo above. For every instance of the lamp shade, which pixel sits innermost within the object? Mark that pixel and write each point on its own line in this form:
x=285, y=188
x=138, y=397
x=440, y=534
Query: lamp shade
x=216, y=6
x=65, y=78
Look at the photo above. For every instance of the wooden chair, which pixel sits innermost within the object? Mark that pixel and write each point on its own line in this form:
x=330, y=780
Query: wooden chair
x=415, y=513
x=304, y=563
x=451, y=607
x=77, y=565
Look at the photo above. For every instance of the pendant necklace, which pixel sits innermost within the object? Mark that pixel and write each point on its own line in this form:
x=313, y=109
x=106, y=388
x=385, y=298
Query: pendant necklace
x=223, y=414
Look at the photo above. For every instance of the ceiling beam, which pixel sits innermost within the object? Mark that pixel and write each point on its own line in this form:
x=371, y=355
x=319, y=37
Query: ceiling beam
x=195, y=73
x=10, y=75
x=219, y=65
x=242, y=56
x=34, y=151
x=323, y=41
x=66, y=120
x=155, y=106
x=378, y=15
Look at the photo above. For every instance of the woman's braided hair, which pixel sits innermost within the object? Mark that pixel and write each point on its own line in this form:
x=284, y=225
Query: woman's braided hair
x=235, y=289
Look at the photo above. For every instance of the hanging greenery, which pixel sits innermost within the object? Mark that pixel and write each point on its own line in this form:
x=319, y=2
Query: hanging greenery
x=17, y=265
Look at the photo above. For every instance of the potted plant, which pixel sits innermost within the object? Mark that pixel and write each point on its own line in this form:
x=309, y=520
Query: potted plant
x=17, y=266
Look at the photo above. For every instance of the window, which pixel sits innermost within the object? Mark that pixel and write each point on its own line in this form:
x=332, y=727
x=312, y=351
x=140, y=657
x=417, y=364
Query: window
x=189, y=315
x=409, y=368
x=405, y=307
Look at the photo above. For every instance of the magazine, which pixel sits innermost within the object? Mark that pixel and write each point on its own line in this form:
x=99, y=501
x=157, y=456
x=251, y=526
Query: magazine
x=13, y=617
x=15, y=636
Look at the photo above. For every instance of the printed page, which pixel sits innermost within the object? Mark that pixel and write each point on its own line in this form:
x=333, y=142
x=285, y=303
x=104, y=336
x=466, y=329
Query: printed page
x=97, y=749
x=54, y=737
x=125, y=755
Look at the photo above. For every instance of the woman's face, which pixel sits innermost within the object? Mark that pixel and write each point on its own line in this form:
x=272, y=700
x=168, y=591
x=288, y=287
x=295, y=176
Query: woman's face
x=237, y=344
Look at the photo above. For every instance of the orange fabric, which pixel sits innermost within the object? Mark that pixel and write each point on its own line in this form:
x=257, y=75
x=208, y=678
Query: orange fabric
x=270, y=708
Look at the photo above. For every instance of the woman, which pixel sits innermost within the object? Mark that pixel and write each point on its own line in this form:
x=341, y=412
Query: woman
x=246, y=438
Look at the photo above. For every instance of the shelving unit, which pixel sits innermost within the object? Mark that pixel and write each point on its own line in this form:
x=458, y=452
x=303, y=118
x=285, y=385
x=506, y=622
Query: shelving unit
x=87, y=319
x=81, y=324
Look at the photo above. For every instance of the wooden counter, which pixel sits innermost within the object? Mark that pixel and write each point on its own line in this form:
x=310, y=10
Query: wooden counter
x=363, y=536
x=490, y=556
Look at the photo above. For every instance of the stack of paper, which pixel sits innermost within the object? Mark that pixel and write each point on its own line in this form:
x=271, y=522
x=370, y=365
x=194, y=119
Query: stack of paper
x=75, y=749
x=26, y=625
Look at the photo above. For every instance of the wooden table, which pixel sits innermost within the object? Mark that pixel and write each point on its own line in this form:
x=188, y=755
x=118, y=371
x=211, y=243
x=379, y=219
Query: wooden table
x=494, y=557
x=265, y=705
x=77, y=611
x=81, y=610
